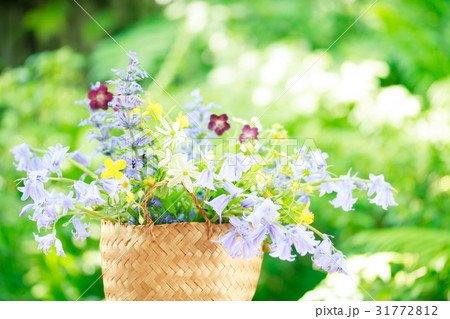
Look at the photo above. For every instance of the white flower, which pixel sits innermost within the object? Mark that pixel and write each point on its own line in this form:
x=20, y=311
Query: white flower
x=166, y=157
x=182, y=170
x=172, y=136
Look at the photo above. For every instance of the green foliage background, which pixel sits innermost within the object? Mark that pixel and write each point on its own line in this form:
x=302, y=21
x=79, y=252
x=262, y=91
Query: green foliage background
x=378, y=101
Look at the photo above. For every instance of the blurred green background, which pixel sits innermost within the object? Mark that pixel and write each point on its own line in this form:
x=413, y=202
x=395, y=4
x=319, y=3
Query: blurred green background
x=378, y=101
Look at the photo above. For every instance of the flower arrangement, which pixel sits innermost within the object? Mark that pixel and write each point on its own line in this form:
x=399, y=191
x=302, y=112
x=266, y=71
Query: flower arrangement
x=200, y=167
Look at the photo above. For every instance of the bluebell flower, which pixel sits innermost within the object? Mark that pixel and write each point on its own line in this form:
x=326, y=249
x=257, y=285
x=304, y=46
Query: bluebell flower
x=384, y=196
x=66, y=202
x=80, y=158
x=37, y=164
x=233, y=166
x=303, y=199
x=282, y=249
x=248, y=202
x=318, y=157
x=232, y=189
x=55, y=157
x=303, y=240
x=344, y=190
x=228, y=170
x=258, y=235
x=80, y=229
x=111, y=186
x=59, y=248
x=219, y=204
x=267, y=211
x=275, y=231
x=88, y=194
x=206, y=179
x=34, y=186
x=80, y=189
x=249, y=249
x=45, y=242
x=327, y=258
x=22, y=155
x=238, y=240
x=26, y=209
x=325, y=188
x=41, y=219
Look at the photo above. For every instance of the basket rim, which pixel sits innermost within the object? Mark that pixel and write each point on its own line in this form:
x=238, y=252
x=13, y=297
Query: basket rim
x=182, y=224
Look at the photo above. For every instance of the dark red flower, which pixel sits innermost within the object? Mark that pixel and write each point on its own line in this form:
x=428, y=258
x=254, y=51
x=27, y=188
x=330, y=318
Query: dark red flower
x=100, y=98
x=218, y=124
x=248, y=134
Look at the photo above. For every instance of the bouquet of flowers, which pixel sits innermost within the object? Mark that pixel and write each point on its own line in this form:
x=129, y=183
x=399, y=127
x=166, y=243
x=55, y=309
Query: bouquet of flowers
x=202, y=166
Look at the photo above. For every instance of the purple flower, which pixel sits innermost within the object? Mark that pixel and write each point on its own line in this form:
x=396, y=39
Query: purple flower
x=303, y=240
x=41, y=219
x=22, y=155
x=248, y=134
x=26, y=209
x=99, y=98
x=88, y=194
x=219, y=204
x=233, y=190
x=55, y=157
x=282, y=249
x=233, y=166
x=66, y=202
x=238, y=240
x=81, y=158
x=34, y=186
x=248, y=202
x=156, y=202
x=265, y=211
x=206, y=179
x=327, y=258
x=45, y=242
x=384, y=196
x=344, y=190
x=218, y=124
x=228, y=170
x=80, y=229
x=59, y=248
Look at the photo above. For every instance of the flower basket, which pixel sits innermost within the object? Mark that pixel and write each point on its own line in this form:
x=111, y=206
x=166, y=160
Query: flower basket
x=182, y=263
x=186, y=210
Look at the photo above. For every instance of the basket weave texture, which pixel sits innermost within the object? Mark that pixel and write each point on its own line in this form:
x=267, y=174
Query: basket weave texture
x=180, y=264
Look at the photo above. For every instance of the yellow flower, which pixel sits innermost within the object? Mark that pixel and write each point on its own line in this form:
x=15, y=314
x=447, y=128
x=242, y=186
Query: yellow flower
x=141, y=220
x=184, y=121
x=295, y=186
x=156, y=108
x=130, y=197
x=135, y=111
x=114, y=168
x=306, y=216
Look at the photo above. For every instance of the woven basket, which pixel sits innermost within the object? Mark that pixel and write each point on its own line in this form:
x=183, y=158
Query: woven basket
x=180, y=264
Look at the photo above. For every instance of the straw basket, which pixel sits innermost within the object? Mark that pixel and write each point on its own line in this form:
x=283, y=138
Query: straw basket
x=180, y=264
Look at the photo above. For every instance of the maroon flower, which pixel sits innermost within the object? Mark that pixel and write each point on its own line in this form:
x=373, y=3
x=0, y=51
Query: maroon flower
x=248, y=134
x=218, y=124
x=100, y=98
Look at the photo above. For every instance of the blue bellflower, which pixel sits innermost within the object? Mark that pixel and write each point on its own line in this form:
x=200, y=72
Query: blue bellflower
x=206, y=179
x=267, y=211
x=22, y=155
x=384, y=196
x=219, y=204
x=344, y=196
x=80, y=229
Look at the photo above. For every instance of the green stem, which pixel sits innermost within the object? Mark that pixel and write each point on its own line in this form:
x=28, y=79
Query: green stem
x=318, y=233
x=94, y=214
x=61, y=179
